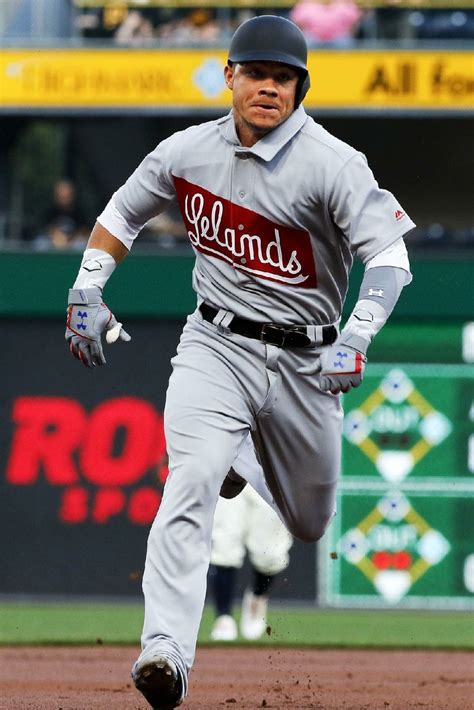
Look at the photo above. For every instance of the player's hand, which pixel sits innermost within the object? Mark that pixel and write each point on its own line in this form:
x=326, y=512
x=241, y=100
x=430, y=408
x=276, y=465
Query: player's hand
x=341, y=368
x=87, y=318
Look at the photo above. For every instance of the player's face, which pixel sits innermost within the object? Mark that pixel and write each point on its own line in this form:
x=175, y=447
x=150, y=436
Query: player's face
x=263, y=97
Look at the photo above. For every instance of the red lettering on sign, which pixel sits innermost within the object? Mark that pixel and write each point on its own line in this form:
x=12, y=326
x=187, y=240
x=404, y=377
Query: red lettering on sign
x=393, y=560
x=48, y=431
x=122, y=441
x=382, y=559
x=108, y=503
x=143, y=505
x=402, y=559
x=73, y=506
x=141, y=427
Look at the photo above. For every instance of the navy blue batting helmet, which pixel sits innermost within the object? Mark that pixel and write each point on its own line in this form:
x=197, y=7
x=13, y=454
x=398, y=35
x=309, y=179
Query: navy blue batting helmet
x=273, y=39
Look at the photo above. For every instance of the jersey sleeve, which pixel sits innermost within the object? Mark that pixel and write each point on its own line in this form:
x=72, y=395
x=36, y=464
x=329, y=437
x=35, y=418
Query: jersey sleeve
x=370, y=217
x=147, y=192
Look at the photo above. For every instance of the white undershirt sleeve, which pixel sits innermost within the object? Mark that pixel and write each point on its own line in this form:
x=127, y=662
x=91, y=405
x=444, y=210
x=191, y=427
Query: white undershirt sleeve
x=126, y=232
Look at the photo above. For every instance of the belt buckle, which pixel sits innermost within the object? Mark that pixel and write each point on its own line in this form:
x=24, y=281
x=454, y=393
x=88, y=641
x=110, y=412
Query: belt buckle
x=273, y=334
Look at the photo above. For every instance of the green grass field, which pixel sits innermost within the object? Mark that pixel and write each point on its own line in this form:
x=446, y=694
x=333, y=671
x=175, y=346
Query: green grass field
x=121, y=624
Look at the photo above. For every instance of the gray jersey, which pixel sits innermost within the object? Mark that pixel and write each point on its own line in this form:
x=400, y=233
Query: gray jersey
x=274, y=227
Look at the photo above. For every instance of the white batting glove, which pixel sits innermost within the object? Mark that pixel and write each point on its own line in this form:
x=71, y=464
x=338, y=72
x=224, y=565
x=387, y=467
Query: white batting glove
x=87, y=318
x=341, y=368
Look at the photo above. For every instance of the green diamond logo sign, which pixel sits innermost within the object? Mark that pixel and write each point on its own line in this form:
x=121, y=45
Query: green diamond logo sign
x=393, y=546
x=395, y=426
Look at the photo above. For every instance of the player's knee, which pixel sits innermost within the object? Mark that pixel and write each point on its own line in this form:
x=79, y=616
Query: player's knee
x=310, y=529
x=308, y=519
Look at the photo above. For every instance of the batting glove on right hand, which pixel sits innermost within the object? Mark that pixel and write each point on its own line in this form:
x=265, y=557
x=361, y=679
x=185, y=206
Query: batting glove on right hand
x=341, y=368
x=87, y=318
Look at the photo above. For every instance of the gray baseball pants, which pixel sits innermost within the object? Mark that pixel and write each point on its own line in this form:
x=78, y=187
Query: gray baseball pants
x=223, y=386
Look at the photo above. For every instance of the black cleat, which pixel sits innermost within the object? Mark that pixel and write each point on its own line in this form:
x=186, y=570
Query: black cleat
x=158, y=681
x=233, y=485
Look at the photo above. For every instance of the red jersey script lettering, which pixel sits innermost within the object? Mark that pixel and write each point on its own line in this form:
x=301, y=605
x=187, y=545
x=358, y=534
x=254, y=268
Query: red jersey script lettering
x=245, y=239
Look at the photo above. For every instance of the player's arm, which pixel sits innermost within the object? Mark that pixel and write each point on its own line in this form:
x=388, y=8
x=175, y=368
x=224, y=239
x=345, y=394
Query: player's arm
x=146, y=193
x=102, y=239
x=373, y=223
x=342, y=365
x=87, y=315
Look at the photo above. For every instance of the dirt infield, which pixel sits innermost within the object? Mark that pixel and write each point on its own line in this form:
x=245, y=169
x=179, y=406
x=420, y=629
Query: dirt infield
x=84, y=678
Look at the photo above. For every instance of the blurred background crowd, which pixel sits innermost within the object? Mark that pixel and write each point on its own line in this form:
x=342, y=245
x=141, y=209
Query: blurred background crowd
x=52, y=188
x=177, y=23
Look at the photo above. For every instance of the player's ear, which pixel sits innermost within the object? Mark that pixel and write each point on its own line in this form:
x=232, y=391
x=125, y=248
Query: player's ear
x=229, y=76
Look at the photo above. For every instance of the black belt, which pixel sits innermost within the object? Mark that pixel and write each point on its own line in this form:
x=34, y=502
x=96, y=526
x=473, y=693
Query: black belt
x=283, y=336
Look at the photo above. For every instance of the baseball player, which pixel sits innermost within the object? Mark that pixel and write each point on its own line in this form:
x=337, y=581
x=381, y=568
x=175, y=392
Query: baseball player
x=245, y=524
x=276, y=209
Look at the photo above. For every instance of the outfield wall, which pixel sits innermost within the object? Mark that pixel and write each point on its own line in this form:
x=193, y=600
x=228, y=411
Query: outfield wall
x=84, y=457
x=159, y=286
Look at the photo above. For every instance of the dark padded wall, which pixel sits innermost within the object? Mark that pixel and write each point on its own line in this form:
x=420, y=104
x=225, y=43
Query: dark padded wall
x=83, y=464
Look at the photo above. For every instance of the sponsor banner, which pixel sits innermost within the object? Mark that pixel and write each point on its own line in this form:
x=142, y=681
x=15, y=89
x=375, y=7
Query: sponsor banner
x=84, y=464
x=83, y=459
x=397, y=548
x=403, y=533
x=165, y=79
x=411, y=422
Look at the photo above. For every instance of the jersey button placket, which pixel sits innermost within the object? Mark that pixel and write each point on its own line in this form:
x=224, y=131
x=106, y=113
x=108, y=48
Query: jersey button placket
x=242, y=172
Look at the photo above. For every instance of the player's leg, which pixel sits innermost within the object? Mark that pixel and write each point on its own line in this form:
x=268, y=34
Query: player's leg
x=227, y=557
x=213, y=392
x=247, y=466
x=268, y=543
x=298, y=438
x=179, y=544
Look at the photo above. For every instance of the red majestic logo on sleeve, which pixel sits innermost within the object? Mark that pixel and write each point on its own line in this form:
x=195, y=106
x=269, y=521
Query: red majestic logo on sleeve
x=244, y=239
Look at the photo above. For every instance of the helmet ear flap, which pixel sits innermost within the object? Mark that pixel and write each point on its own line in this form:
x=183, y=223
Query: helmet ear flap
x=302, y=88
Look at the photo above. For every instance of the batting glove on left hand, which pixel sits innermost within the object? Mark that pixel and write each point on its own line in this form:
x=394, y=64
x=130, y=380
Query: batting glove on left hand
x=87, y=318
x=341, y=368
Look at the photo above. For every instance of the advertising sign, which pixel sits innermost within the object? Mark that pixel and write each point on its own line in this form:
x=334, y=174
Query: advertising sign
x=410, y=422
x=84, y=463
x=404, y=532
x=83, y=459
x=411, y=549
x=158, y=79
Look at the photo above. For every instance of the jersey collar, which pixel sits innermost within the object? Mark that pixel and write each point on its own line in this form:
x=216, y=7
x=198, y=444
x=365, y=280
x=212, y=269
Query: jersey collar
x=268, y=146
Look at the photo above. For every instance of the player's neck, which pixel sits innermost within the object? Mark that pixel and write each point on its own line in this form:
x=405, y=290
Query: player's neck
x=248, y=134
